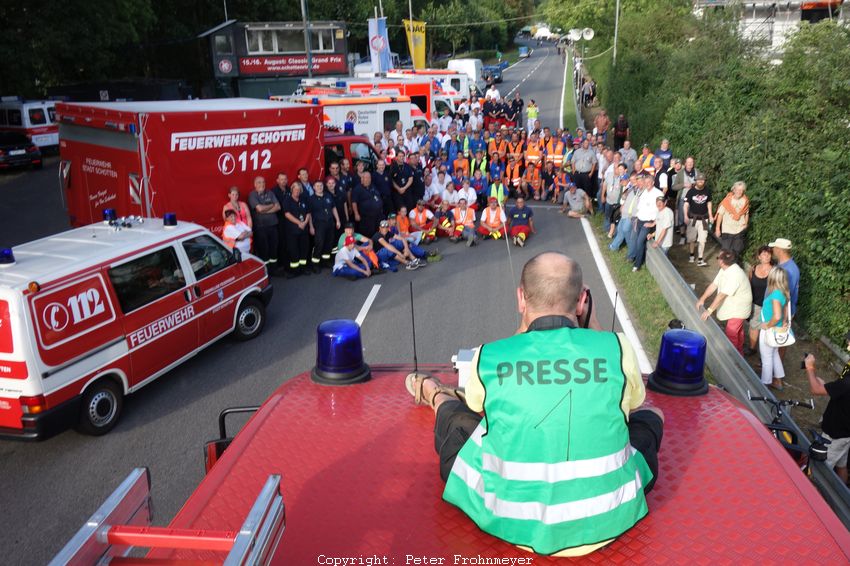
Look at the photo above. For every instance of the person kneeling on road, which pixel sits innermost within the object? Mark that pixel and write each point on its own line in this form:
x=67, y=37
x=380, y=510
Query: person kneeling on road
x=564, y=431
x=493, y=220
x=349, y=263
x=393, y=249
x=576, y=202
x=462, y=223
x=836, y=417
x=520, y=222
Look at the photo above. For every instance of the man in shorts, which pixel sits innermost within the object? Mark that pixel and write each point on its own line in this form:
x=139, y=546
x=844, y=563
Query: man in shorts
x=698, y=215
x=836, y=417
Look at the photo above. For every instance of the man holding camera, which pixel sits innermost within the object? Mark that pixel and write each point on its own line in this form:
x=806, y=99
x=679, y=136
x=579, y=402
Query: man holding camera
x=560, y=421
x=836, y=417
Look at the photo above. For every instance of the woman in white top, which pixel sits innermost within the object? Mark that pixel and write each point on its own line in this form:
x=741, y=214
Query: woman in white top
x=450, y=195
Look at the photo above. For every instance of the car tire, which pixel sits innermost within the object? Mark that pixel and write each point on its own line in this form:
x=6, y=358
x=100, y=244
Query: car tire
x=100, y=408
x=250, y=319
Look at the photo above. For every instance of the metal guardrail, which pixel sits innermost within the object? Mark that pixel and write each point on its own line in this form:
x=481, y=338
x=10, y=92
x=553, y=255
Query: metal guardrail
x=732, y=372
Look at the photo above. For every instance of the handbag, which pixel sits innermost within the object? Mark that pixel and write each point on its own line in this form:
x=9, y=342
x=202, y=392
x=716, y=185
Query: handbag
x=780, y=337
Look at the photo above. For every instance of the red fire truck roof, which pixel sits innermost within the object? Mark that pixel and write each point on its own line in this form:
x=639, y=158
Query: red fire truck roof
x=206, y=105
x=360, y=478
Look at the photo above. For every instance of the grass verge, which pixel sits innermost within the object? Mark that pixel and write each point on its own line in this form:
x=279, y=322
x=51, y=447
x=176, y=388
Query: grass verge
x=569, y=117
x=639, y=292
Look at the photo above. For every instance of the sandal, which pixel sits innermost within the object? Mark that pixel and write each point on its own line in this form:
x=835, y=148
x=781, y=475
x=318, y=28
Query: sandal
x=414, y=384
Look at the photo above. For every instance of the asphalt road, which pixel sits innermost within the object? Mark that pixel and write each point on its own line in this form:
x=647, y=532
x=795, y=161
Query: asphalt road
x=50, y=488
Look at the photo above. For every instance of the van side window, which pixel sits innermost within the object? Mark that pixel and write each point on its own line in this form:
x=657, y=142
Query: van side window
x=206, y=256
x=390, y=118
x=146, y=279
x=51, y=112
x=363, y=152
x=37, y=116
x=456, y=84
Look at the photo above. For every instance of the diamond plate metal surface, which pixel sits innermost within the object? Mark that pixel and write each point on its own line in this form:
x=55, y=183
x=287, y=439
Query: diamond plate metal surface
x=361, y=479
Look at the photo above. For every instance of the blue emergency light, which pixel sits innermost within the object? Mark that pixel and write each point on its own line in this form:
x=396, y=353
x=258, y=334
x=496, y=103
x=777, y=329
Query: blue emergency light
x=7, y=258
x=681, y=361
x=339, y=354
x=340, y=84
x=169, y=220
x=109, y=215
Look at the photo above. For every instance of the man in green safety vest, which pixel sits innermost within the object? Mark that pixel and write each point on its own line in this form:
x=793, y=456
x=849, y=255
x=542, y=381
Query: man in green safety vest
x=545, y=448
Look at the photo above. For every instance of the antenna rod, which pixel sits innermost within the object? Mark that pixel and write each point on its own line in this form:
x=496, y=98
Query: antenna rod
x=413, y=327
x=614, y=318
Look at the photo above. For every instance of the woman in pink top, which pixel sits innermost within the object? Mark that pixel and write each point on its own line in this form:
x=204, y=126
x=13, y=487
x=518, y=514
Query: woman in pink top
x=243, y=214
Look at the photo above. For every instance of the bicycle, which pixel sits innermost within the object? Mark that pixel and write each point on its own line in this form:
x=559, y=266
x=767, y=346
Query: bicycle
x=787, y=437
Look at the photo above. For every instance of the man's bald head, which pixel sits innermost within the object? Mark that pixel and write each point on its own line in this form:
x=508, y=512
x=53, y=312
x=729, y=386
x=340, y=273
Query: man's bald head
x=551, y=283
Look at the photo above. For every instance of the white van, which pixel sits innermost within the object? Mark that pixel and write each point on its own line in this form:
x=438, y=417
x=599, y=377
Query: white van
x=90, y=315
x=472, y=68
x=34, y=118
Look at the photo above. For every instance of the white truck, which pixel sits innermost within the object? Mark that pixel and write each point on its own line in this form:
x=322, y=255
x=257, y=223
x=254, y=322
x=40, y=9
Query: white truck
x=472, y=68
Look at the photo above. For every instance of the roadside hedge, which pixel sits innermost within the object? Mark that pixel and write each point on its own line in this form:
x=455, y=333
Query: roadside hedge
x=782, y=126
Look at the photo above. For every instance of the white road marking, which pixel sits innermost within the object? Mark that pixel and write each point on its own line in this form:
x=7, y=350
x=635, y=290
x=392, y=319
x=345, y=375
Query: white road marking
x=364, y=310
x=611, y=288
x=563, y=93
x=510, y=92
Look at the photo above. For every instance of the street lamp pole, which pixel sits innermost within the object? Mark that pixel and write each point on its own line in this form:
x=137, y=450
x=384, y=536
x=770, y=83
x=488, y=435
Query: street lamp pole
x=307, y=39
x=616, y=32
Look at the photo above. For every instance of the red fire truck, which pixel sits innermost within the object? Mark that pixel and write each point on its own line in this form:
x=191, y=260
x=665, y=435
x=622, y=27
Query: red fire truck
x=146, y=158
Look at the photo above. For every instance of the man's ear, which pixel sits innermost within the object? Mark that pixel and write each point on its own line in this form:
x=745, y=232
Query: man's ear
x=520, y=300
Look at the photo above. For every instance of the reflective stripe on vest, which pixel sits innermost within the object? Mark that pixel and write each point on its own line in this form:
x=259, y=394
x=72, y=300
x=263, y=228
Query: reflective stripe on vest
x=550, y=465
x=515, y=150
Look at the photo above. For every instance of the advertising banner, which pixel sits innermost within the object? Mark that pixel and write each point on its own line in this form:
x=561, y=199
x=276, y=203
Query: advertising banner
x=416, y=42
x=379, y=45
x=323, y=64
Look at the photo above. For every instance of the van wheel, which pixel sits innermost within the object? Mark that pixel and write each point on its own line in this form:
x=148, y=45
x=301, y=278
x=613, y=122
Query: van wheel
x=100, y=408
x=250, y=319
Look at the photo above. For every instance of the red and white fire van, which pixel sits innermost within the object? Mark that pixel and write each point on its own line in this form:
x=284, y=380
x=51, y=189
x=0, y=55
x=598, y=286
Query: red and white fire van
x=34, y=118
x=367, y=114
x=148, y=158
x=95, y=313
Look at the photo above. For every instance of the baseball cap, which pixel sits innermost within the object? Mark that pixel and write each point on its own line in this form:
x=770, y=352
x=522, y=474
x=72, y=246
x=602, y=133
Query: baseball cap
x=420, y=201
x=492, y=199
x=700, y=177
x=781, y=243
x=349, y=225
x=391, y=215
x=349, y=240
x=645, y=145
x=384, y=224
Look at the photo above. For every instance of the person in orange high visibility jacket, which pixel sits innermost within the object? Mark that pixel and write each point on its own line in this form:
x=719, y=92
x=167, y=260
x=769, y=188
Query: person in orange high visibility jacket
x=422, y=220
x=530, y=183
x=493, y=220
x=554, y=150
x=463, y=223
x=513, y=175
x=516, y=148
x=562, y=183
x=533, y=153
x=498, y=145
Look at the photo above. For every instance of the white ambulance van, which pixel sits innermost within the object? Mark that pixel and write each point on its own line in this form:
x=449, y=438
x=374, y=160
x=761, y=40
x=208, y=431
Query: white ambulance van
x=90, y=315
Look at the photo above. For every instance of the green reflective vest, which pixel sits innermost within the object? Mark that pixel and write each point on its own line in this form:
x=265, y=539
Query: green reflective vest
x=550, y=466
x=533, y=111
x=497, y=190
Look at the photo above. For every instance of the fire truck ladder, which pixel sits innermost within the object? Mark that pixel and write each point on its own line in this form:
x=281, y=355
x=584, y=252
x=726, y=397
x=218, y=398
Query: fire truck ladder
x=122, y=525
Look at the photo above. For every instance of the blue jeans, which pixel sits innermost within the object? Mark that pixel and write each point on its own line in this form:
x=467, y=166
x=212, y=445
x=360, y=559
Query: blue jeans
x=624, y=229
x=606, y=209
x=639, y=251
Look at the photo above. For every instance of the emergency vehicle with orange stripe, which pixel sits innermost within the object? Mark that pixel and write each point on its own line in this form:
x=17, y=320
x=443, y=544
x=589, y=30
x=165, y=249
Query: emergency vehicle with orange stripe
x=93, y=314
x=365, y=113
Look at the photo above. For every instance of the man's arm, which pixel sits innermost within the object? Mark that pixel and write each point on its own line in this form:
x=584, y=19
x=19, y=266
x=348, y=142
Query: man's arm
x=816, y=384
x=708, y=291
x=715, y=304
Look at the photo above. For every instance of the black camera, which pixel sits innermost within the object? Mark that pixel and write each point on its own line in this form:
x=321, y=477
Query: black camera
x=803, y=361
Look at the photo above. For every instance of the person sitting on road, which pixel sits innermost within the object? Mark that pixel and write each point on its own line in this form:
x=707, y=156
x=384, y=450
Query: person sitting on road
x=576, y=203
x=422, y=220
x=364, y=245
x=462, y=223
x=520, y=222
x=513, y=176
x=443, y=220
x=393, y=249
x=492, y=223
x=401, y=223
x=558, y=488
x=349, y=262
x=236, y=234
